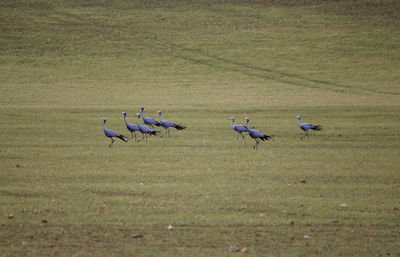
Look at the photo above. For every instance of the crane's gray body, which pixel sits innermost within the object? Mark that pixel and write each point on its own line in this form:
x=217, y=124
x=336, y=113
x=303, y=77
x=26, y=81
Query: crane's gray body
x=147, y=120
x=167, y=124
x=144, y=129
x=239, y=129
x=111, y=133
x=307, y=126
x=131, y=127
x=256, y=135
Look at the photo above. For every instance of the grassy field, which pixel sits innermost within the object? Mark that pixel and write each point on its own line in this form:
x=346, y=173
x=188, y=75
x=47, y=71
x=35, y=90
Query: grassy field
x=66, y=64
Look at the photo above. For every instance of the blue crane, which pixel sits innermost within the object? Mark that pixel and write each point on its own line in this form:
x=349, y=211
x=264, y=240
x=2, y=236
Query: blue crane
x=256, y=135
x=307, y=126
x=147, y=120
x=145, y=130
x=111, y=133
x=166, y=125
x=239, y=129
x=131, y=127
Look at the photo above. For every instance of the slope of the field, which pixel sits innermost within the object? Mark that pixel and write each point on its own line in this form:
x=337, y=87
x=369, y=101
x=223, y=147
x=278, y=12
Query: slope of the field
x=66, y=64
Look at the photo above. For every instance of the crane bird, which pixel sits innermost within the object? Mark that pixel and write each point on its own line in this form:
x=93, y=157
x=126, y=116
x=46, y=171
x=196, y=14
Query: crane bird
x=239, y=129
x=145, y=130
x=307, y=126
x=147, y=120
x=131, y=127
x=256, y=135
x=111, y=133
x=166, y=124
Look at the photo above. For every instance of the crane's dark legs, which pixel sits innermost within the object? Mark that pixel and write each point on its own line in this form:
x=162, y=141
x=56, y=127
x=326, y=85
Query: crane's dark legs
x=238, y=137
x=112, y=141
x=141, y=138
x=144, y=135
x=305, y=135
x=133, y=135
x=257, y=142
x=129, y=138
x=244, y=141
x=166, y=130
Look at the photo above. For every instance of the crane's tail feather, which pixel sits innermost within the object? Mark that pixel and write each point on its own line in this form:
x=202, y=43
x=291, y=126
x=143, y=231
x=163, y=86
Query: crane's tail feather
x=179, y=126
x=155, y=132
x=266, y=137
x=157, y=124
x=317, y=127
x=122, y=137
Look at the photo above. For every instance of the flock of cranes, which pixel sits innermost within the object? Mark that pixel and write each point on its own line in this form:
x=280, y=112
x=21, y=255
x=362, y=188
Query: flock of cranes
x=148, y=130
x=143, y=129
x=259, y=136
x=255, y=134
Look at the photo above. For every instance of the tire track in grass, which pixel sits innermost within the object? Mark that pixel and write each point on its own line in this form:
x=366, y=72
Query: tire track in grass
x=200, y=57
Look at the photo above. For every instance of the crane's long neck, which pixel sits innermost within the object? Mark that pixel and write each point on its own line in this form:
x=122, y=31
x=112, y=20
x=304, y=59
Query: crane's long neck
x=141, y=112
x=138, y=117
x=247, y=124
x=125, y=120
x=104, y=125
x=159, y=115
x=232, y=123
x=298, y=121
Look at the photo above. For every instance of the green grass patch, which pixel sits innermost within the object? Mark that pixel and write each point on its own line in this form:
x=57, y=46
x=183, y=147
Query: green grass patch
x=66, y=64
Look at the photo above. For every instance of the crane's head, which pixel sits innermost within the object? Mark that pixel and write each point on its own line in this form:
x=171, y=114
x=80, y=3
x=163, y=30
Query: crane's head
x=159, y=112
x=298, y=117
x=124, y=113
x=232, y=119
x=104, y=119
x=138, y=115
x=141, y=108
x=247, y=119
